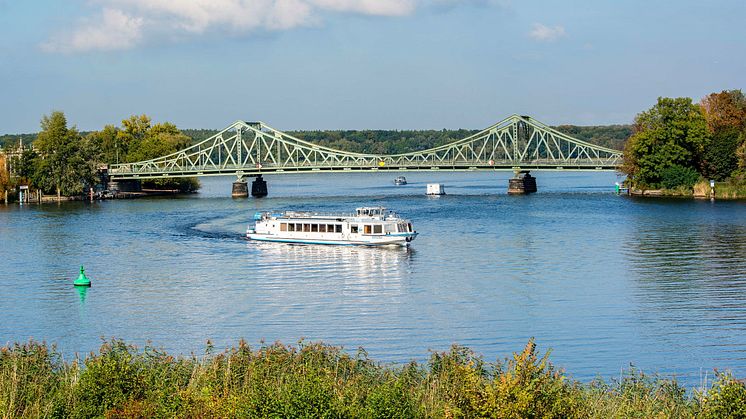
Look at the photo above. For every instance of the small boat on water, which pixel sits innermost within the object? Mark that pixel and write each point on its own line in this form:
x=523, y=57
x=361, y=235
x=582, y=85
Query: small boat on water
x=368, y=226
x=400, y=180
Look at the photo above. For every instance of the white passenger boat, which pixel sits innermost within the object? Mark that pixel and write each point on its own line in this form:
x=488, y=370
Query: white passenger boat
x=400, y=180
x=368, y=226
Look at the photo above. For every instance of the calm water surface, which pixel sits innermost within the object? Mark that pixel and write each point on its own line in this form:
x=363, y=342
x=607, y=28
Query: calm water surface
x=605, y=281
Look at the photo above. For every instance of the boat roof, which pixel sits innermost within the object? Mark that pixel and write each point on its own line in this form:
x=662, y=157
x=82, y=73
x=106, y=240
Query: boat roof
x=361, y=213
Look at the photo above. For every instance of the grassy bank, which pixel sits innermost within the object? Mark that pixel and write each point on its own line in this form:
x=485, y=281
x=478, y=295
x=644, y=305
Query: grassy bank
x=723, y=190
x=316, y=380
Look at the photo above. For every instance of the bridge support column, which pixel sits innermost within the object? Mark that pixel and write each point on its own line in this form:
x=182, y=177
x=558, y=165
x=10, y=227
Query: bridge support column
x=240, y=189
x=522, y=183
x=259, y=187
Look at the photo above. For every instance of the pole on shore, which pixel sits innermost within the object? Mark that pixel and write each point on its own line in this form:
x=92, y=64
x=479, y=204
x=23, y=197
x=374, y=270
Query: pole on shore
x=712, y=189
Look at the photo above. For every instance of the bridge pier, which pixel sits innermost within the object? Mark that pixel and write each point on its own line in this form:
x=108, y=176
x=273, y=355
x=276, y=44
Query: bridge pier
x=522, y=183
x=259, y=187
x=240, y=189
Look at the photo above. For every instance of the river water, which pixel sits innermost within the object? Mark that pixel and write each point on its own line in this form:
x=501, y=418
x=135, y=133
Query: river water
x=604, y=281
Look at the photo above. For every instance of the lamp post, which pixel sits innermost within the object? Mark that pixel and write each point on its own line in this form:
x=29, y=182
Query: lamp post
x=712, y=189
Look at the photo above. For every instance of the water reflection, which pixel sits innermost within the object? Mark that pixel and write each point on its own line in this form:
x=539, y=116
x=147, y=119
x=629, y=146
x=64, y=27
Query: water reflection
x=659, y=284
x=350, y=266
x=82, y=291
x=689, y=278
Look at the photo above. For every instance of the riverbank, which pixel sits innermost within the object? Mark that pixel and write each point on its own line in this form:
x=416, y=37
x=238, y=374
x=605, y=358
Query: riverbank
x=144, y=193
x=317, y=380
x=730, y=190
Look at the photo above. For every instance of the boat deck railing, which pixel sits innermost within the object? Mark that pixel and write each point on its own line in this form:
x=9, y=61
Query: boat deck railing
x=314, y=214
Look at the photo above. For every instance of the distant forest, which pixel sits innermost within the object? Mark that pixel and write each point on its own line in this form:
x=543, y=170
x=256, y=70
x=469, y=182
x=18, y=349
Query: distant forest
x=395, y=141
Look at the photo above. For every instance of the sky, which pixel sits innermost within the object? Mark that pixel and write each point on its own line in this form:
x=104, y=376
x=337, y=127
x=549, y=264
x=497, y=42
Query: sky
x=361, y=64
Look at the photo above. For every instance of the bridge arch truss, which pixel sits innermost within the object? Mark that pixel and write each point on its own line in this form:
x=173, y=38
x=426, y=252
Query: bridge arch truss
x=255, y=148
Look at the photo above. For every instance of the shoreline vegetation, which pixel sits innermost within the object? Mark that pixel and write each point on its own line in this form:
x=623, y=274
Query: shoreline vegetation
x=62, y=162
x=677, y=147
x=318, y=380
x=66, y=164
x=673, y=149
x=728, y=190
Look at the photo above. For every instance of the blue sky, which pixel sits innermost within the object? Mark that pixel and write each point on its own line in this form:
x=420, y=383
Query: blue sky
x=360, y=64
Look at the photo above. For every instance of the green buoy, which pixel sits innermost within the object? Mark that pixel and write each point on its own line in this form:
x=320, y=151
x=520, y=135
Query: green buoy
x=82, y=280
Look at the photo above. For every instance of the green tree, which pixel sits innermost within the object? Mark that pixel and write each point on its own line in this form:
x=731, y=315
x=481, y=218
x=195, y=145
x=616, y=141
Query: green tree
x=62, y=167
x=24, y=166
x=720, y=157
x=102, y=146
x=673, y=132
x=741, y=152
x=134, y=131
x=144, y=141
x=159, y=140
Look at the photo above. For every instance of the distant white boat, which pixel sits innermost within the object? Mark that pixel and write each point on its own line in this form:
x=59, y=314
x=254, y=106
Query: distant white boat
x=368, y=226
x=400, y=180
x=435, y=189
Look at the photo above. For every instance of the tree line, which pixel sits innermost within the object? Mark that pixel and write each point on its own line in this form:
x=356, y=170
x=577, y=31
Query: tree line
x=678, y=143
x=64, y=162
x=403, y=141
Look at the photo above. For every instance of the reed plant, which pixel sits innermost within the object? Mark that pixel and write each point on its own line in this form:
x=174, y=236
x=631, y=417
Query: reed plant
x=314, y=380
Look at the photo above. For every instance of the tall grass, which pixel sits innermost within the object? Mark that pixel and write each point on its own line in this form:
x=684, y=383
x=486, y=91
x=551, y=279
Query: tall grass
x=313, y=380
x=730, y=189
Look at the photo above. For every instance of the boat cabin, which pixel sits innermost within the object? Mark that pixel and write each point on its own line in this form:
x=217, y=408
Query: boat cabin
x=371, y=211
x=368, y=225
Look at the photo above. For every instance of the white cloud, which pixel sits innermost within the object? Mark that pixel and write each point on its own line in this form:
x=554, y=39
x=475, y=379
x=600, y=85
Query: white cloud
x=541, y=32
x=124, y=24
x=369, y=7
x=113, y=30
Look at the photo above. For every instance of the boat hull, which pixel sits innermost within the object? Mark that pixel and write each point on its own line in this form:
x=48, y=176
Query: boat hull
x=402, y=240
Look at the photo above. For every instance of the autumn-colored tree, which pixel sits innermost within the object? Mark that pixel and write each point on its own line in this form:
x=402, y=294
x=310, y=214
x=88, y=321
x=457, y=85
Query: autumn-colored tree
x=725, y=113
x=725, y=110
x=5, y=183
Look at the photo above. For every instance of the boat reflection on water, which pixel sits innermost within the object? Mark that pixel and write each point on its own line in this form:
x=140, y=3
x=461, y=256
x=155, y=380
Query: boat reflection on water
x=349, y=266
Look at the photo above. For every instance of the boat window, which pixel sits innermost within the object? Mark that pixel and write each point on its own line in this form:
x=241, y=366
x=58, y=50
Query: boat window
x=353, y=228
x=306, y=228
x=322, y=228
x=409, y=227
x=283, y=226
x=338, y=228
x=291, y=227
x=330, y=228
x=366, y=229
x=299, y=227
x=377, y=229
x=314, y=228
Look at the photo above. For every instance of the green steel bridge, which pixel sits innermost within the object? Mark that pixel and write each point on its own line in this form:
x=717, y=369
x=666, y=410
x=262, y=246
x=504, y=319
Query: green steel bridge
x=251, y=149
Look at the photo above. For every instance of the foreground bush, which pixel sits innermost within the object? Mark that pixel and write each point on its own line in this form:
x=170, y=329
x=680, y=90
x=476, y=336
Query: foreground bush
x=320, y=381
